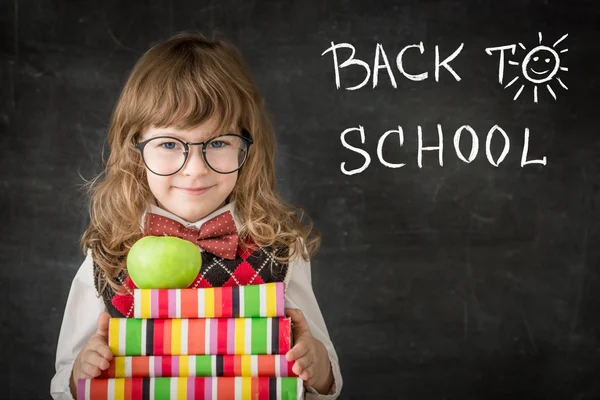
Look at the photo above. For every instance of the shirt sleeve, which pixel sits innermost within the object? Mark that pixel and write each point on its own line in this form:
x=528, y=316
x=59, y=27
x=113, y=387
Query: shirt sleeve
x=78, y=325
x=299, y=294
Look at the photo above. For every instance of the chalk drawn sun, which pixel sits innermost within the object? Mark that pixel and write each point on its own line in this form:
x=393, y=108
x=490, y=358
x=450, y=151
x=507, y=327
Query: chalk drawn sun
x=540, y=66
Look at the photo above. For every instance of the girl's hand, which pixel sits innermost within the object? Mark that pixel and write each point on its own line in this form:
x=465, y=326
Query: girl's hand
x=95, y=356
x=312, y=363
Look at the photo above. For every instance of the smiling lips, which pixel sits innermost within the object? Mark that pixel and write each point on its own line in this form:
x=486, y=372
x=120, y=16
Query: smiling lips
x=539, y=73
x=198, y=190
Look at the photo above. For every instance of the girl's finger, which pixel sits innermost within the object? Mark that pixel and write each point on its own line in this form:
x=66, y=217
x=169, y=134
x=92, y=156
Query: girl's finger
x=94, y=358
x=92, y=370
x=299, y=322
x=299, y=350
x=103, y=322
x=308, y=374
x=305, y=375
x=82, y=375
x=302, y=365
x=102, y=349
x=305, y=362
x=297, y=369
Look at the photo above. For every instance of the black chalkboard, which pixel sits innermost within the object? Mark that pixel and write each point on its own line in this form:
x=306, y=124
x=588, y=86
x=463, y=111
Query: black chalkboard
x=468, y=280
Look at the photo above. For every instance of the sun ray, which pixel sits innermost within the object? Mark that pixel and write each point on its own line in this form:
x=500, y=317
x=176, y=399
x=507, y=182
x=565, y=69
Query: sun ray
x=511, y=82
x=535, y=93
x=564, y=51
x=511, y=62
x=522, y=46
x=540, y=35
x=519, y=92
x=564, y=68
x=562, y=84
x=551, y=91
x=560, y=40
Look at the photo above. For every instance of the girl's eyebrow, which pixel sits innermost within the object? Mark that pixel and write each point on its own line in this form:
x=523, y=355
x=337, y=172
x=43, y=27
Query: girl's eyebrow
x=205, y=135
x=165, y=133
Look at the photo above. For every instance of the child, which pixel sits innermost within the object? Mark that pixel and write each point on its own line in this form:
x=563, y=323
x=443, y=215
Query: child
x=190, y=140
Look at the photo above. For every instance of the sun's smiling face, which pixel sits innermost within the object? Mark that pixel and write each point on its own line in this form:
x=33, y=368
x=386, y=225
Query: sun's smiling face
x=541, y=60
x=540, y=64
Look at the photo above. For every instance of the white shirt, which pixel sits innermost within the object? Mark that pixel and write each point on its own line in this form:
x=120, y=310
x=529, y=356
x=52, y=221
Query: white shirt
x=84, y=304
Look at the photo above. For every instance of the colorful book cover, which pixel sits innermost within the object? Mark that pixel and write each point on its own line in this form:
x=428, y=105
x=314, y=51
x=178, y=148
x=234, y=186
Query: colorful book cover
x=191, y=366
x=264, y=300
x=206, y=336
x=225, y=388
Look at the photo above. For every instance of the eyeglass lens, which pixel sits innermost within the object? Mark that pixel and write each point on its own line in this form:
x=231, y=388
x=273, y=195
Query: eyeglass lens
x=166, y=155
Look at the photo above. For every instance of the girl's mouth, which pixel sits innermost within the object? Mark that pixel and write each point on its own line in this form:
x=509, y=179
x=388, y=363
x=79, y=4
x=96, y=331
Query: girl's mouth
x=193, y=191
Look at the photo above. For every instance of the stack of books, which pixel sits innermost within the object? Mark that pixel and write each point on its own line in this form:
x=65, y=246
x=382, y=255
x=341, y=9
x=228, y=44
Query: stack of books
x=214, y=343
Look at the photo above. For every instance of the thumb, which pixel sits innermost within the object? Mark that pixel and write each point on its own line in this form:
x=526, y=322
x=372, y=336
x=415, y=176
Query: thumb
x=299, y=323
x=103, y=320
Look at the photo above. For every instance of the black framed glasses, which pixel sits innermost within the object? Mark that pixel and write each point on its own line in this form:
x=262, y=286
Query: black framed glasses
x=224, y=154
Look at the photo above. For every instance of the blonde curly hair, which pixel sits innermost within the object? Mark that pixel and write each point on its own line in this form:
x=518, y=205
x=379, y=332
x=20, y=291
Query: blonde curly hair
x=182, y=82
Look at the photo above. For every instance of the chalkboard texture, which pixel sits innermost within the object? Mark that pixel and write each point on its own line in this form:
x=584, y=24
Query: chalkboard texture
x=473, y=274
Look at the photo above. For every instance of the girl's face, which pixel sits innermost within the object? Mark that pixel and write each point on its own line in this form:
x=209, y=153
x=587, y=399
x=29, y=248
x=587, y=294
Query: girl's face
x=171, y=192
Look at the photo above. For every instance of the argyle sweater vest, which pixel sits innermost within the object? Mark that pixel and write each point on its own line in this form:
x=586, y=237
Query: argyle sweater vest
x=250, y=267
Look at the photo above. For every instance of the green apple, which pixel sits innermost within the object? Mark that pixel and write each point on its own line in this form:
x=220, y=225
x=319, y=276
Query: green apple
x=163, y=262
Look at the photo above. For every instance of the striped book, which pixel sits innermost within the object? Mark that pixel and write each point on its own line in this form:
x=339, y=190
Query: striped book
x=206, y=336
x=222, y=388
x=264, y=300
x=190, y=366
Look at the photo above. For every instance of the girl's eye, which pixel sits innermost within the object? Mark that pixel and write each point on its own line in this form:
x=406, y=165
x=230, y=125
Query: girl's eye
x=218, y=144
x=169, y=145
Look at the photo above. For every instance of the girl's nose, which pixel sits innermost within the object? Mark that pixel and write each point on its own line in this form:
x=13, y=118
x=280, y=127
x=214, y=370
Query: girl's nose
x=195, y=164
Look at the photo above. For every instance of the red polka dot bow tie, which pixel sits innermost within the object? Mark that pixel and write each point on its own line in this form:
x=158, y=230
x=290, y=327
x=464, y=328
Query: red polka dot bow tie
x=218, y=235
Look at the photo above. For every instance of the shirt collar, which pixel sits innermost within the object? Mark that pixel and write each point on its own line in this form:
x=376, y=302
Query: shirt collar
x=197, y=224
